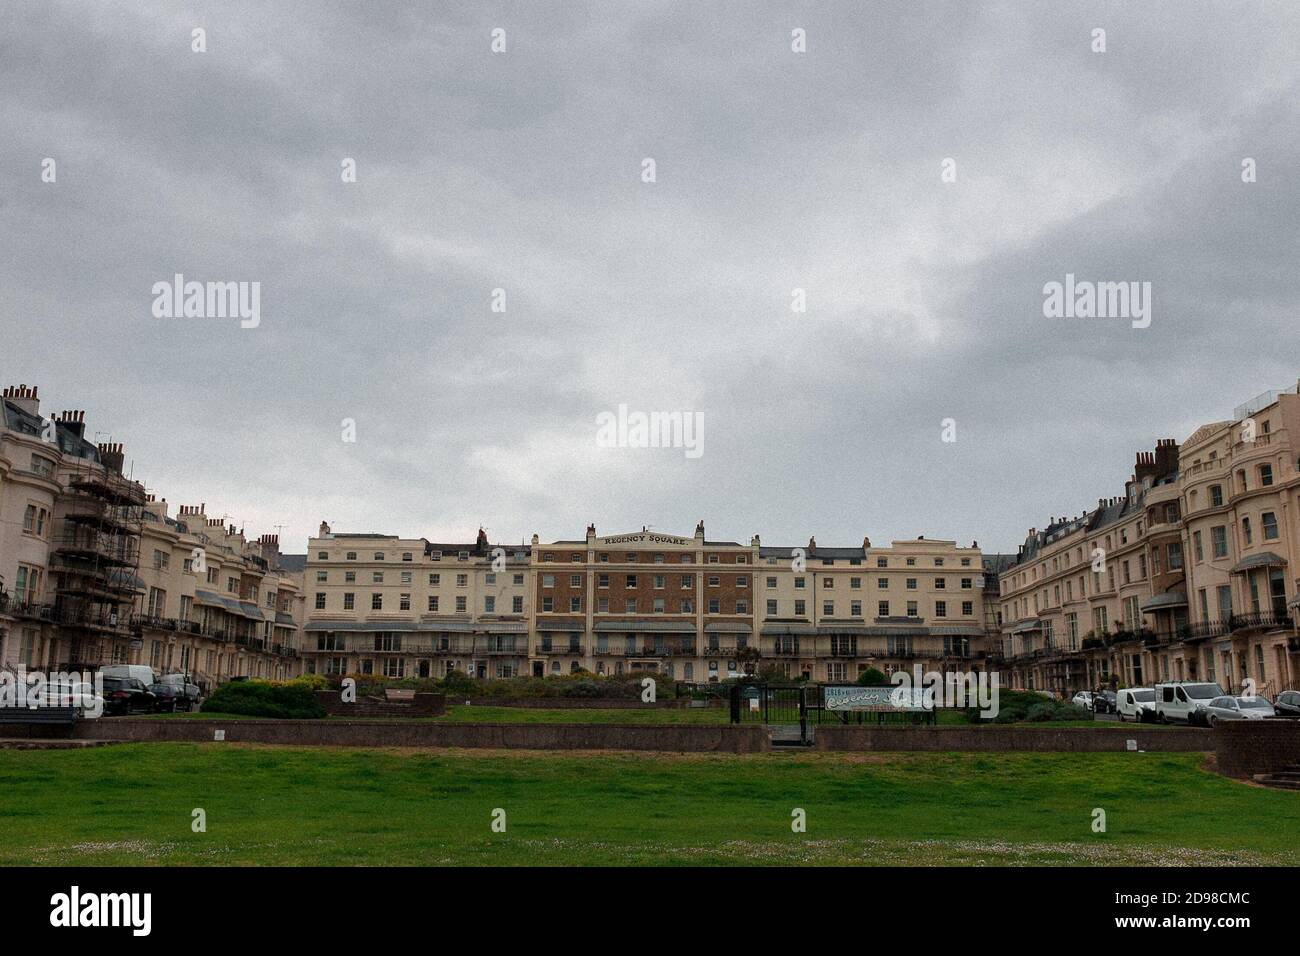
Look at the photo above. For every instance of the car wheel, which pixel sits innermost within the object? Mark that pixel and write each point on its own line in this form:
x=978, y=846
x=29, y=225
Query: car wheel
x=1210, y=721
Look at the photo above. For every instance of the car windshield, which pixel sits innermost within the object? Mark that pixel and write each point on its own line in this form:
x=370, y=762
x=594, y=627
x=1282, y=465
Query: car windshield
x=1144, y=696
x=1257, y=702
x=1203, y=691
x=114, y=683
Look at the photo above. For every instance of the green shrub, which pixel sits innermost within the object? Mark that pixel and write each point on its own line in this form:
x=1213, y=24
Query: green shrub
x=872, y=677
x=1018, y=706
x=1044, y=711
x=314, y=681
x=257, y=698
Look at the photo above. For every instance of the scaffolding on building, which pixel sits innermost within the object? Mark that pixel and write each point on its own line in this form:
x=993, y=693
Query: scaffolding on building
x=95, y=560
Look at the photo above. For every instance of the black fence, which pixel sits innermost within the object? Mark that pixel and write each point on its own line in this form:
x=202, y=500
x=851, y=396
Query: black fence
x=802, y=705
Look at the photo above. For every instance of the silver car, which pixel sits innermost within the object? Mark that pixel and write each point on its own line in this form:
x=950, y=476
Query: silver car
x=1237, y=708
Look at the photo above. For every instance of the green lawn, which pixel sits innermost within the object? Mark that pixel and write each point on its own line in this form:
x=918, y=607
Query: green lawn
x=132, y=804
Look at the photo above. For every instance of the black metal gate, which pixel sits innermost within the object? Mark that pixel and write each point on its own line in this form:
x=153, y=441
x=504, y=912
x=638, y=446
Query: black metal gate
x=787, y=710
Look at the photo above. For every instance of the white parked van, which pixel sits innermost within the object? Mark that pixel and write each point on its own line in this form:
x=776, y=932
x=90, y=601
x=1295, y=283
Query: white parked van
x=1180, y=699
x=141, y=672
x=1136, y=703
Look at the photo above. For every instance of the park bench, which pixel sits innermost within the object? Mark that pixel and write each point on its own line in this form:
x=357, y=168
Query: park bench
x=38, y=715
x=400, y=695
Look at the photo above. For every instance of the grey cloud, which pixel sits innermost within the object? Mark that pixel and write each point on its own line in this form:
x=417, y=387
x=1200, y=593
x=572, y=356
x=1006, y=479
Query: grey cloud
x=776, y=171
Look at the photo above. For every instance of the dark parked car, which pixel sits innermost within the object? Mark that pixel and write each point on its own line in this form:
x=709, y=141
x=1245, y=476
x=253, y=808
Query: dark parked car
x=168, y=697
x=1105, y=701
x=188, y=694
x=1287, y=703
x=126, y=695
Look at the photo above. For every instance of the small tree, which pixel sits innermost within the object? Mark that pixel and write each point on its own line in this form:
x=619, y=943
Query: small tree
x=871, y=676
x=458, y=682
x=749, y=657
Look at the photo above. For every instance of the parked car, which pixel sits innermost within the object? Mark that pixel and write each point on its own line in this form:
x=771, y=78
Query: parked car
x=1104, y=701
x=1287, y=703
x=190, y=693
x=1237, y=708
x=126, y=695
x=1137, y=704
x=168, y=697
x=79, y=695
x=1083, y=699
x=1179, y=700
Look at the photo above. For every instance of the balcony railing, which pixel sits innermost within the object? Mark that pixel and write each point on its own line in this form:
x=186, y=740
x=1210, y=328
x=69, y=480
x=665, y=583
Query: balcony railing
x=560, y=649
x=644, y=650
x=21, y=604
x=1202, y=630
x=506, y=650
x=1259, y=619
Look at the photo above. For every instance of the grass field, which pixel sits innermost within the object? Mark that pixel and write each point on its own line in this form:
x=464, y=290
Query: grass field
x=133, y=803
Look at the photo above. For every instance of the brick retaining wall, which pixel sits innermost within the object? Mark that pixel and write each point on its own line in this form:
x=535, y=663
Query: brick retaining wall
x=1039, y=739
x=339, y=732
x=579, y=703
x=1247, y=747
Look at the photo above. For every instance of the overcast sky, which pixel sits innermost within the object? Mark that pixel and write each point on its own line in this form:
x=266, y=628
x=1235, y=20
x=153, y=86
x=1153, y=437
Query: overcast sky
x=522, y=170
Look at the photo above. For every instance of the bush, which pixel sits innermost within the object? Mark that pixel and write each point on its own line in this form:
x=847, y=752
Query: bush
x=314, y=681
x=1018, y=706
x=872, y=677
x=293, y=699
x=1044, y=711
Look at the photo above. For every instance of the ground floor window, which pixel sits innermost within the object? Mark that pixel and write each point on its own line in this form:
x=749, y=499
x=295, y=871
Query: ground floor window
x=394, y=667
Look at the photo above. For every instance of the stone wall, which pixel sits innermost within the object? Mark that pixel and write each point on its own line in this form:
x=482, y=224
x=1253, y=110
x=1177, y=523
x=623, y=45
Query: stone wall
x=580, y=703
x=1244, y=748
x=339, y=732
x=1020, y=737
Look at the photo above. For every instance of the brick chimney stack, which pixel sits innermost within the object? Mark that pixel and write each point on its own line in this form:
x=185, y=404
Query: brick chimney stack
x=269, y=546
x=1166, y=456
x=74, y=422
x=111, y=457
x=1144, y=469
x=25, y=398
